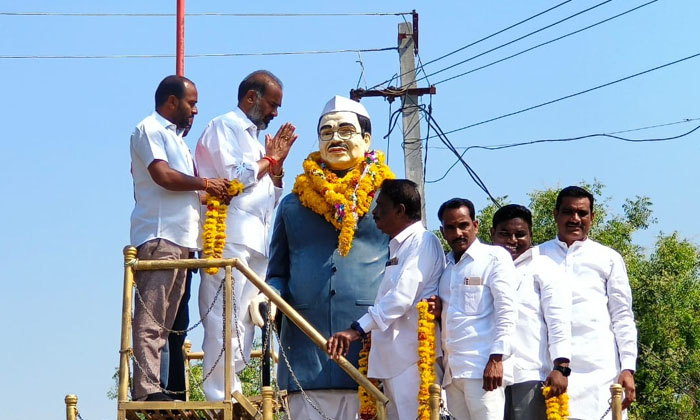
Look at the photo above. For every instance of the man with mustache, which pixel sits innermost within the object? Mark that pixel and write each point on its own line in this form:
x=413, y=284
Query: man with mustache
x=412, y=273
x=476, y=297
x=229, y=148
x=542, y=340
x=164, y=223
x=327, y=258
x=604, y=335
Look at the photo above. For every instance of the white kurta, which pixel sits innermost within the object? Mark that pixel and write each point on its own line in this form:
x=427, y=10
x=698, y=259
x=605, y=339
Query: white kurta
x=604, y=335
x=229, y=148
x=478, y=310
x=543, y=326
x=412, y=273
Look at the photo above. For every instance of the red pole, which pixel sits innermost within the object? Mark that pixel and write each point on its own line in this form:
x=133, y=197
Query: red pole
x=180, y=34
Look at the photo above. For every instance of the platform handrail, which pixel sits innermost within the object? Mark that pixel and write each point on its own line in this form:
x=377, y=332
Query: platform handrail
x=132, y=264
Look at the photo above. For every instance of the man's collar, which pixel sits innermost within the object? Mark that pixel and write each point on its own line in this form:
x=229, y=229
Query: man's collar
x=249, y=125
x=472, y=251
x=564, y=245
x=169, y=125
x=530, y=253
x=408, y=231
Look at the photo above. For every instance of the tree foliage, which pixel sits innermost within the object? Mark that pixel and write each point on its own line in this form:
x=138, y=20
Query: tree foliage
x=666, y=299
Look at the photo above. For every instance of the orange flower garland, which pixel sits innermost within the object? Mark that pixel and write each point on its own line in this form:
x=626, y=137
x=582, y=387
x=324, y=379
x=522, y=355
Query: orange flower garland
x=214, y=230
x=342, y=201
x=426, y=358
x=368, y=410
x=557, y=407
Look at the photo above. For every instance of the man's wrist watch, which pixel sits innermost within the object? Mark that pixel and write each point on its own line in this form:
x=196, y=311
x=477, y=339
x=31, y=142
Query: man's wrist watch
x=356, y=326
x=565, y=370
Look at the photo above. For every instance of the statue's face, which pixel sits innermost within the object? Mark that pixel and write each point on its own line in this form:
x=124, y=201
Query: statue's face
x=340, y=142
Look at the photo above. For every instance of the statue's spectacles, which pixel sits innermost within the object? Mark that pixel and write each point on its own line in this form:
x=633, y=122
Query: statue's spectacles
x=344, y=133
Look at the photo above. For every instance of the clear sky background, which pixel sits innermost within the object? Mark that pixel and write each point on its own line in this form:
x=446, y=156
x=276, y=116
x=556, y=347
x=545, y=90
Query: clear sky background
x=67, y=122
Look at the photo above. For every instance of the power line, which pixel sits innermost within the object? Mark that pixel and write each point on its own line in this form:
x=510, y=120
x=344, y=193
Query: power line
x=515, y=40
x=569, y=139
x=421, y=67
x=546, y=43
x=202, y=14
x=194, y=55
x=472, y=174
x=575, y=94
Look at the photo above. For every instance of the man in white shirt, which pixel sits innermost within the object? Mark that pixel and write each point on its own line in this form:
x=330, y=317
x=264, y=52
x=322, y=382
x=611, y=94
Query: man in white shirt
x=478, y=316
x=416, y=261
x=542, y=340
x=229, y=148
x=164, y=223
x=603, y=331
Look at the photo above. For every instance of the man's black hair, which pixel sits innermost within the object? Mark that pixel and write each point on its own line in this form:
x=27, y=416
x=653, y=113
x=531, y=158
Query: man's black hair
x=512, y=211
x=403, y=191
x=258, y=82
x=171, y=85
x=455, y=203
x=575, y=192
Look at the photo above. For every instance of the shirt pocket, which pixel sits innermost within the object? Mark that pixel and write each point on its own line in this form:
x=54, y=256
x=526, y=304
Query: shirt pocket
x=471, y=298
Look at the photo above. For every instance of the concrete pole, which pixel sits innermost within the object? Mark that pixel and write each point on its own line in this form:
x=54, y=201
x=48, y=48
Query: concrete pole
x=413, y=151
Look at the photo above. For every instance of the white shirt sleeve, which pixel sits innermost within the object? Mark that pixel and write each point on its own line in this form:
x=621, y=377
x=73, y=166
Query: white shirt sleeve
x=149, y=145
x=501, y=284
x=555, y=298
x=621, y=315
x=225, y=153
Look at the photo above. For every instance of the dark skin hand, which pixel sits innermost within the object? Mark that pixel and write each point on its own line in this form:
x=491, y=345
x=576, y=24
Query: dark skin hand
x=434, y=306
x=626, y=379
x=339, y=344
x=558, y=382
x=170, y=179
x=493, y=373
x=277, y=147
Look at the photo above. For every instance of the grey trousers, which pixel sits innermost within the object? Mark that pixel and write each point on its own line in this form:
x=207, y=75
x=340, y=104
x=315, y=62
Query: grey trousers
x=524, y=401
x=161, y=291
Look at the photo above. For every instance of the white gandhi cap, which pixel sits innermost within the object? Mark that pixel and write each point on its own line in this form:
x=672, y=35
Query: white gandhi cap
x=341, y=104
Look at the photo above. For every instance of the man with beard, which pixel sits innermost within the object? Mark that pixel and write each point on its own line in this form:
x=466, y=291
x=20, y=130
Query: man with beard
x=476, y=297
x=542, y=340
x=603, y=332
x=327, y=257
x=229, y=148
x=164, y=223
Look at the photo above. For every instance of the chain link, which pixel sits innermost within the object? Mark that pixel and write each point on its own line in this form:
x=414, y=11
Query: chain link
x=608, y=410
x=296, y=380
x=179, y=332
x=77, y=413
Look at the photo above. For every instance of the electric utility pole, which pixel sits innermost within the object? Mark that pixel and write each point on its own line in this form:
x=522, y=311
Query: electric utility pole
x=409, y=93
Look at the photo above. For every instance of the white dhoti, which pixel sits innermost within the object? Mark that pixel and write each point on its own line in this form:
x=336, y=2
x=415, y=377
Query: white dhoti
x=337, y=404
x=243, y=291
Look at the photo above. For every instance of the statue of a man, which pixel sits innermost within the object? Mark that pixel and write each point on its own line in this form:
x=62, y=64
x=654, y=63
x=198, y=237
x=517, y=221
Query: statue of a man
x=327, y=257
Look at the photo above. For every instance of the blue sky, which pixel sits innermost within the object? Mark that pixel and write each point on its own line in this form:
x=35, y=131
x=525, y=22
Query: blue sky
x=68, y=121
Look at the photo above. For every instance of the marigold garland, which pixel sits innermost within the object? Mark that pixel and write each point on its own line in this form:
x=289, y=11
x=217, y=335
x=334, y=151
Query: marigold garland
x=368, y=409
x=342, y=201
x=214, y=231
x=426, y=358
x=557, y=407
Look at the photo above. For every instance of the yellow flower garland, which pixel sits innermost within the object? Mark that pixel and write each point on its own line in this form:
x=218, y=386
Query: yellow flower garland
x=426, y=358
x=557, y=407
x=214, y=231
x=342, y=201
x=368, y=409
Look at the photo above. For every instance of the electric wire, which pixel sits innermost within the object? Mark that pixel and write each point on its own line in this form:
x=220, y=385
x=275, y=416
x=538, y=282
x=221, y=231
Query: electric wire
x=476, y=42
x=570, y=139
x=472, y=174
x=515, y=40
x=203, y=14
x=545, y=43
x=119, y=56
x=576, y=94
